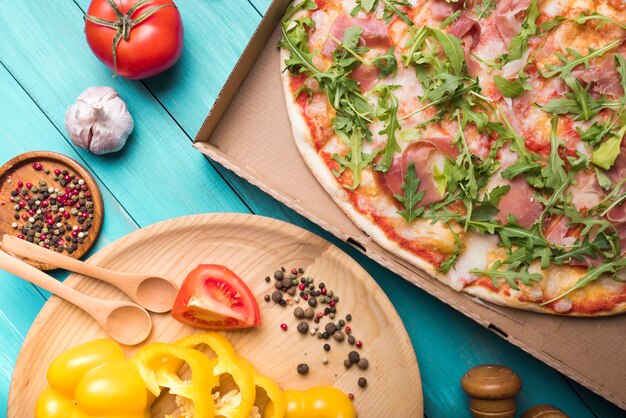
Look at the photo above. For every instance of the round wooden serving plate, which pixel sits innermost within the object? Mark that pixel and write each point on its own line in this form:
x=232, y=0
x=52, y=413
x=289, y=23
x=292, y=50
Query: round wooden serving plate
x=20, y=168
x=253, y=247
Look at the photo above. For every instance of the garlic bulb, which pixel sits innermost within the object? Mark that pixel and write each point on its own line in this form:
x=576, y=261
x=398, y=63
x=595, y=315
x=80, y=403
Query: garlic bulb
x=99, y=121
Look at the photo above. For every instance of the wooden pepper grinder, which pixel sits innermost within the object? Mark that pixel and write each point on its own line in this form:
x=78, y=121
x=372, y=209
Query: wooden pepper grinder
x=492, y=390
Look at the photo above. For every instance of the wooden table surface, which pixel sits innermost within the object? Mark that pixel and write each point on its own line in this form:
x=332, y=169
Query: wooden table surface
x=46, y=63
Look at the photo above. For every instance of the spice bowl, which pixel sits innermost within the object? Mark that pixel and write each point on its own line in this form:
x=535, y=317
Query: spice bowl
x=50, y=200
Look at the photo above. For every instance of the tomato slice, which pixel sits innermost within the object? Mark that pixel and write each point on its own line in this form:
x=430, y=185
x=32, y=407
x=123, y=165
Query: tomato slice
x=214, y=297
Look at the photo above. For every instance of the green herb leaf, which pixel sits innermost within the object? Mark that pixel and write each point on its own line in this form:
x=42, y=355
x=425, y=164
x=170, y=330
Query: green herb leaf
x=519, y=43
x=606, y=154
x=511, y=88
x=554, y=172
x=356, y=160
x=484, y=9
x=564, y=71
x=411, y=196
x=450, y=19
x=387, y=64
x=511, y=277
x=387, y=111
x=297, y=6
x=579, y=102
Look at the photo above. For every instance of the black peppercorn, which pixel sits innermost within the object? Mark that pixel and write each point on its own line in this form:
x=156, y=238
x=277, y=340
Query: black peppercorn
x=303, y=327
x=298, y=313
x=351, y=340
x=327, y=347
x=347, y=363
x=313, y=302
x=303, y=368
x=362, y=382
x=279, y=275
x=277, y=296
x=363, y=363
x=354, y=357
x=330, y=327
x=309, y=313
x=267, y=298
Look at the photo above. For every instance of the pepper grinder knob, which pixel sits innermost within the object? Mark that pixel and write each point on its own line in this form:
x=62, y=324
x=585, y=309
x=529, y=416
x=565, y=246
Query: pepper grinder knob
x=492, y=390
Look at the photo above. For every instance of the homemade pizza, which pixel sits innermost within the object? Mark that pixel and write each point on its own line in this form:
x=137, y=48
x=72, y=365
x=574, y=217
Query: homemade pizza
x=479, y=140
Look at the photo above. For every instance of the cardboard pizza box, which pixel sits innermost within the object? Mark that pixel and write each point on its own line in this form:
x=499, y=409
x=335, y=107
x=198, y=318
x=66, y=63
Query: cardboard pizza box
x=248, y=126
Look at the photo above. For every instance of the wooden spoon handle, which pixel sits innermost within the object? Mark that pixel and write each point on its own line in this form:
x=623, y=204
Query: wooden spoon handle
x=29, y=273
x=25, y=249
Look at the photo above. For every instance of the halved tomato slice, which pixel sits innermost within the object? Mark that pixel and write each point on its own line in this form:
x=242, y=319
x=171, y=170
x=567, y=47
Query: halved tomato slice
x=213, y=297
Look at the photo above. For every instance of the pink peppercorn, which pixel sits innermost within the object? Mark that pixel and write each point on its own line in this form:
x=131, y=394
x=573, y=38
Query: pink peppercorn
x=20, y=184
x=57, y=172
x=301, y=286
x=21, y=205
x=67, y=178
x=20, y=236
x=283, y=326
x=294, y=271
x=351, y=396
x=331, y=303
x=323, y=291
x=358, y=344
x=29, y=185
x=347, y=329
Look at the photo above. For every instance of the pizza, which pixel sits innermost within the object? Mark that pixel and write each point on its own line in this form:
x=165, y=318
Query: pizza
x=481, y=141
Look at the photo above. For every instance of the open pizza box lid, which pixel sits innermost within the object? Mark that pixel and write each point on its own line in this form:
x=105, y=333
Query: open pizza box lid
x=247, y=129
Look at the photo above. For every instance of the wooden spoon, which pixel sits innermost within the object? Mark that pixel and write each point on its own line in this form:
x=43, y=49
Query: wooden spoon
x=154, y=293
x=125, y=322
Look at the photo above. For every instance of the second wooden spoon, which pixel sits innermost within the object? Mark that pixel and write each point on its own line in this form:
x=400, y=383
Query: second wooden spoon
x=154, y=293
x=125, y=322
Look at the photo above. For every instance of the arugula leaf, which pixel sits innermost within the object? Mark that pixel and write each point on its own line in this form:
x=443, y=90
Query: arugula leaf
x=519, y=43
x=605, y=155
x=452, y=48
x=603, y=180
x=411, y=196
x=484, y=9
x=594, y=133
x=554, y=171
x=449, y=262
x=387, y=111
x=578, y=102
x=390, y=8
x=296, y=6
x=510, y=276
x=386, y=63
x=356, y=160
x=450, y=19
x=594, y=273
x=511, y=88
x=565, y=70
x=586, y=16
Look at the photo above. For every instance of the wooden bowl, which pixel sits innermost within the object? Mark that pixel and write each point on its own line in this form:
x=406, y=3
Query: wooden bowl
x=21, y=168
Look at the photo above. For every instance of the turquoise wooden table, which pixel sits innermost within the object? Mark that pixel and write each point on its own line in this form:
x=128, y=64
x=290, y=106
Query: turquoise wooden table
x=45, y=64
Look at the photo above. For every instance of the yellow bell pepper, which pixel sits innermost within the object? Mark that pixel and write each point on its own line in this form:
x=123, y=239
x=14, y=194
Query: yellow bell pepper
x=228, y=362
x=317, y=402
x=273, y=392
x=158, y=365
x=93, y=380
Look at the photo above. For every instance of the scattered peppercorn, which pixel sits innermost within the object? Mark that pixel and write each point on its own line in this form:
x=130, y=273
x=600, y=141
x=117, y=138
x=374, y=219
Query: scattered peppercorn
x=303, y=368
x=330, y=328
x=267, y=298
x=279, y=275
x=303, y=327
x=277, y=296
x=325, y=335
x=358, y=344
x=354, y=357
x=363, y=363
x=282, y=302
x=267, y=279
x=348, y=317
x=339, y=336
x=326, y=347
x=351, y=340
x=298, y=313
x=325, y=360
x=351, y=396
x=283, y=326
x=313, y=302
x=347, y=363
x=362, y=382
x=309, y=313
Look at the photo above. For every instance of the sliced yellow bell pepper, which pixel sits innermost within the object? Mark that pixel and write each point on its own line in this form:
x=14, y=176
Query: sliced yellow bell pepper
x=273, y=392
x=93, y=380
x=317, y=402
x=159, y=363
x=228, y=362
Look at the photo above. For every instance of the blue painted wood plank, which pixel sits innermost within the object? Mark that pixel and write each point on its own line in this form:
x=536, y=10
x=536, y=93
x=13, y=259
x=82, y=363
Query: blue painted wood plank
x=24, y=128
x=144, y=177
x=261, y=5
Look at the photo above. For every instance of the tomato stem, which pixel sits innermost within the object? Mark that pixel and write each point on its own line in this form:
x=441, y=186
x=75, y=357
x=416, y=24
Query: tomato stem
x=124, y=23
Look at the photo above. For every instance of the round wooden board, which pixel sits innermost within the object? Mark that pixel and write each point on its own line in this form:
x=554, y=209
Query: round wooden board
x=20, y=168
x=253, y=247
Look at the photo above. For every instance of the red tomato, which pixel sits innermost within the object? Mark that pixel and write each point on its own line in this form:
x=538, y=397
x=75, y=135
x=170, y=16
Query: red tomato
x=214, y=297
x=146, y=47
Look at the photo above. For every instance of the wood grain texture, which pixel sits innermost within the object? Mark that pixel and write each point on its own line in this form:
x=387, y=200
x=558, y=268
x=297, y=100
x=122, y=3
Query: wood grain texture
x=20, y=168
x=253, y=247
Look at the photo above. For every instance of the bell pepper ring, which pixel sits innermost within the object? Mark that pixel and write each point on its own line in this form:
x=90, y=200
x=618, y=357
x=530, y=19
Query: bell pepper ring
x=196, y=391
x=317, y=402
x=228, y=362
x=273, y=392
x=93, y=380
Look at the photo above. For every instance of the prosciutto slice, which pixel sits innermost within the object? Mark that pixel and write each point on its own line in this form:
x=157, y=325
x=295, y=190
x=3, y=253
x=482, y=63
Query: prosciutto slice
x=508, y=19
x=366, y=75
x=603, y=79
x=419, y=153
x=519, y=202
x=374, y=33
x=441, y=9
